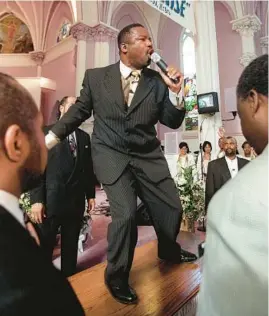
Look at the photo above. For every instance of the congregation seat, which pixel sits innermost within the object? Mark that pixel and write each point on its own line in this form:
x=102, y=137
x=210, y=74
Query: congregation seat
x=163, y=289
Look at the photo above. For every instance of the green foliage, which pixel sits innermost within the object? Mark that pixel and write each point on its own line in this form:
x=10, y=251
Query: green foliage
x=191, y=194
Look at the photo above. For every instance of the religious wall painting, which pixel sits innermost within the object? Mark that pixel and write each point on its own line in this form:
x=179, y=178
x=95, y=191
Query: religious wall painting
x=64, y=30
x=15, y=37
x=191, y=106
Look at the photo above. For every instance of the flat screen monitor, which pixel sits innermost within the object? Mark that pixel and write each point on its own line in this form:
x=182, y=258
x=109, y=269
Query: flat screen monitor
x=208, y=103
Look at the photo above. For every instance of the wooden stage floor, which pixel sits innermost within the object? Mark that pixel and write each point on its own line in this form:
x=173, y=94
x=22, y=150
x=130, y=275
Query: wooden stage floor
x=163, y=289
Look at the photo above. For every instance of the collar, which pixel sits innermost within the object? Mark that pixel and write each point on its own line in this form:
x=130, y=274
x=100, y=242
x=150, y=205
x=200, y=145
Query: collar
x=11, y=203
x=126, y=71
x=230, y=160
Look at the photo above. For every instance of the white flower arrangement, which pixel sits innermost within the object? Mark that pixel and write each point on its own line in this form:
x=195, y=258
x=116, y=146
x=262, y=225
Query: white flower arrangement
x=191, y=192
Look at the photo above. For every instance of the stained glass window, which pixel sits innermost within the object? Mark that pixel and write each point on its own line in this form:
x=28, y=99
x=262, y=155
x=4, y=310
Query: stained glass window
x=64, y=31
x=190, y=92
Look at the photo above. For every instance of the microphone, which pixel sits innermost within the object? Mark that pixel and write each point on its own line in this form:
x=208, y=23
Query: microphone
x=157, y=59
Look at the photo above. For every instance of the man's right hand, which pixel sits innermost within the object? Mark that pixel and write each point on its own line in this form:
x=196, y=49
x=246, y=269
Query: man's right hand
x=37, y=213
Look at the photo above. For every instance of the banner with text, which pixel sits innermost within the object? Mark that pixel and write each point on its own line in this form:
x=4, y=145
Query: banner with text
x=180, y=11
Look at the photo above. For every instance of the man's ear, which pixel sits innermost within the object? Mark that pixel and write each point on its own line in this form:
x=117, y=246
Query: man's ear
x=61, y=109
x=253, y=100
x=123, y=48
x=16, y=144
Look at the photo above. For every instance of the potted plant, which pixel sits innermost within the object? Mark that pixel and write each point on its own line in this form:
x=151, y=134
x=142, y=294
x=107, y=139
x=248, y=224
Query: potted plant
x=192, y=198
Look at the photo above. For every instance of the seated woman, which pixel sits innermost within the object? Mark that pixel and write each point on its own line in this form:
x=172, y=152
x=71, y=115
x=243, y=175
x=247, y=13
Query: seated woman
x=203, y=159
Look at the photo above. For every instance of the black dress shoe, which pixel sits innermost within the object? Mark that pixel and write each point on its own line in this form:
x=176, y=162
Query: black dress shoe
x=187, y=256
x=122, y=293
x=184, y=256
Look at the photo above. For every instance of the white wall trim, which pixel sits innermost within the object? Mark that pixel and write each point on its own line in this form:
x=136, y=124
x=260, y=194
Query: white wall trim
x=60, y=49
x=16, y=60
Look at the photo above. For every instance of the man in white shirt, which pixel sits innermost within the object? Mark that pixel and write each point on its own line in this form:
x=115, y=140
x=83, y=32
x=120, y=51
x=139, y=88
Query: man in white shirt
x=29, y=284
x=223, y=169
x=235, y=270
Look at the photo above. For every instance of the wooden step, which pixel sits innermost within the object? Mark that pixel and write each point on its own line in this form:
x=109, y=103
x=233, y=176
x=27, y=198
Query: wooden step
x=163, y=289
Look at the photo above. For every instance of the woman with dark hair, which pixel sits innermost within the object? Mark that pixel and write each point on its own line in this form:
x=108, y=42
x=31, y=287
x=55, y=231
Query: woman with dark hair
x=185, y=159
x=249, y=153
x=203, y=160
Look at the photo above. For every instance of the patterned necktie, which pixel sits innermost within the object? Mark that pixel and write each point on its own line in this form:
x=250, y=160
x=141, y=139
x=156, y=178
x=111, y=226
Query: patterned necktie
x=73, y=145
x=129, y=87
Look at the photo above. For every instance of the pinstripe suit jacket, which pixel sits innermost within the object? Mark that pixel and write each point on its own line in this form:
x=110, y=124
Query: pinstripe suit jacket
x=120, y=135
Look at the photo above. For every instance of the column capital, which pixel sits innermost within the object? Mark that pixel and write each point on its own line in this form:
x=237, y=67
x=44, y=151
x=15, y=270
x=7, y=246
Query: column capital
x=264, y=41
x=81, y=31
x=247, y=25
x=247, y=58
x=37, y=57
x=104, y=31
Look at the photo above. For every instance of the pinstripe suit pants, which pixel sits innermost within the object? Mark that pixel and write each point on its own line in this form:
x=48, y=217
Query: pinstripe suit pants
x=163, y=204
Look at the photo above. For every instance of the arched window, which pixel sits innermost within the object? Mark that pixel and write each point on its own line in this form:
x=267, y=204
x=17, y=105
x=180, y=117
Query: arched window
x=14, y=36
x=190, y=92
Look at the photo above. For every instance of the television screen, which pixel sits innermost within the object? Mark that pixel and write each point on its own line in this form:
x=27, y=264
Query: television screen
x=208, y=103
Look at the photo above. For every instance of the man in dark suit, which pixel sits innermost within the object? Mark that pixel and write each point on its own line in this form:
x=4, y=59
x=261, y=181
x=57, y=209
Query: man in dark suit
x=223, y=169
x=59, y=200
x=127, y=100
x=29, y=283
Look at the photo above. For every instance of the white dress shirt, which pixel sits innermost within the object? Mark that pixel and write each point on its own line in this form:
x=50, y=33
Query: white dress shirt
x=232, y=165
x=126, y=71
x=11, y=203
x=235, y=266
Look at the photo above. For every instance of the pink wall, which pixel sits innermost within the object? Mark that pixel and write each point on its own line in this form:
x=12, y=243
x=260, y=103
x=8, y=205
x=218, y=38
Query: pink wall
x=229, y=52
x=20, y=71
x=127, y=14
x=62, y=12
x=169, y=44
x=62, y=71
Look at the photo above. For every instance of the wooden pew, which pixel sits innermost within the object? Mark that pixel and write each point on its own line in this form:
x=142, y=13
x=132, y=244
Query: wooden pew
x=163, y=289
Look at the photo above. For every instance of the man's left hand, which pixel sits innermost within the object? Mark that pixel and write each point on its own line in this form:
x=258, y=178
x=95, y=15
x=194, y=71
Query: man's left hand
x=174, y=73
x=91, y=205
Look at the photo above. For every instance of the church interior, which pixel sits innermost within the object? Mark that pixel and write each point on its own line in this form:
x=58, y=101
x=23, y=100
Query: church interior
x=48, y=45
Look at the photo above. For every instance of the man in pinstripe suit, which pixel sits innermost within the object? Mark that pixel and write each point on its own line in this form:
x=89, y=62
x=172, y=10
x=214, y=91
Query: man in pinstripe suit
x=126, y=153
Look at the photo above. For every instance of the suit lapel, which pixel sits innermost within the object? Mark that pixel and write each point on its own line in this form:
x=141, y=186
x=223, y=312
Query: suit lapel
x=240, y=163
x=226, y=172
x=77, y=157
x=144, y=87
x=112, y=84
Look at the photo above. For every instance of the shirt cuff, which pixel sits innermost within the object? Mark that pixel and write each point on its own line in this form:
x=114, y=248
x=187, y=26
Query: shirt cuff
x=176, y=99
x=51, y=140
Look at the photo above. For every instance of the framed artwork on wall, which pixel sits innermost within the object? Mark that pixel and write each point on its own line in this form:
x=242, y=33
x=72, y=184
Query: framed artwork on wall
x=15, y=37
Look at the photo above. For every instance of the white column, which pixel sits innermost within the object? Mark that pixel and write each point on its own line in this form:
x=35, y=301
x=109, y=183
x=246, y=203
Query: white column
x=104, y=44
x=264, y=44
x=80, y=32
x=207, y=72
x=103, y=40
x=38, y=57
x=246, y=27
